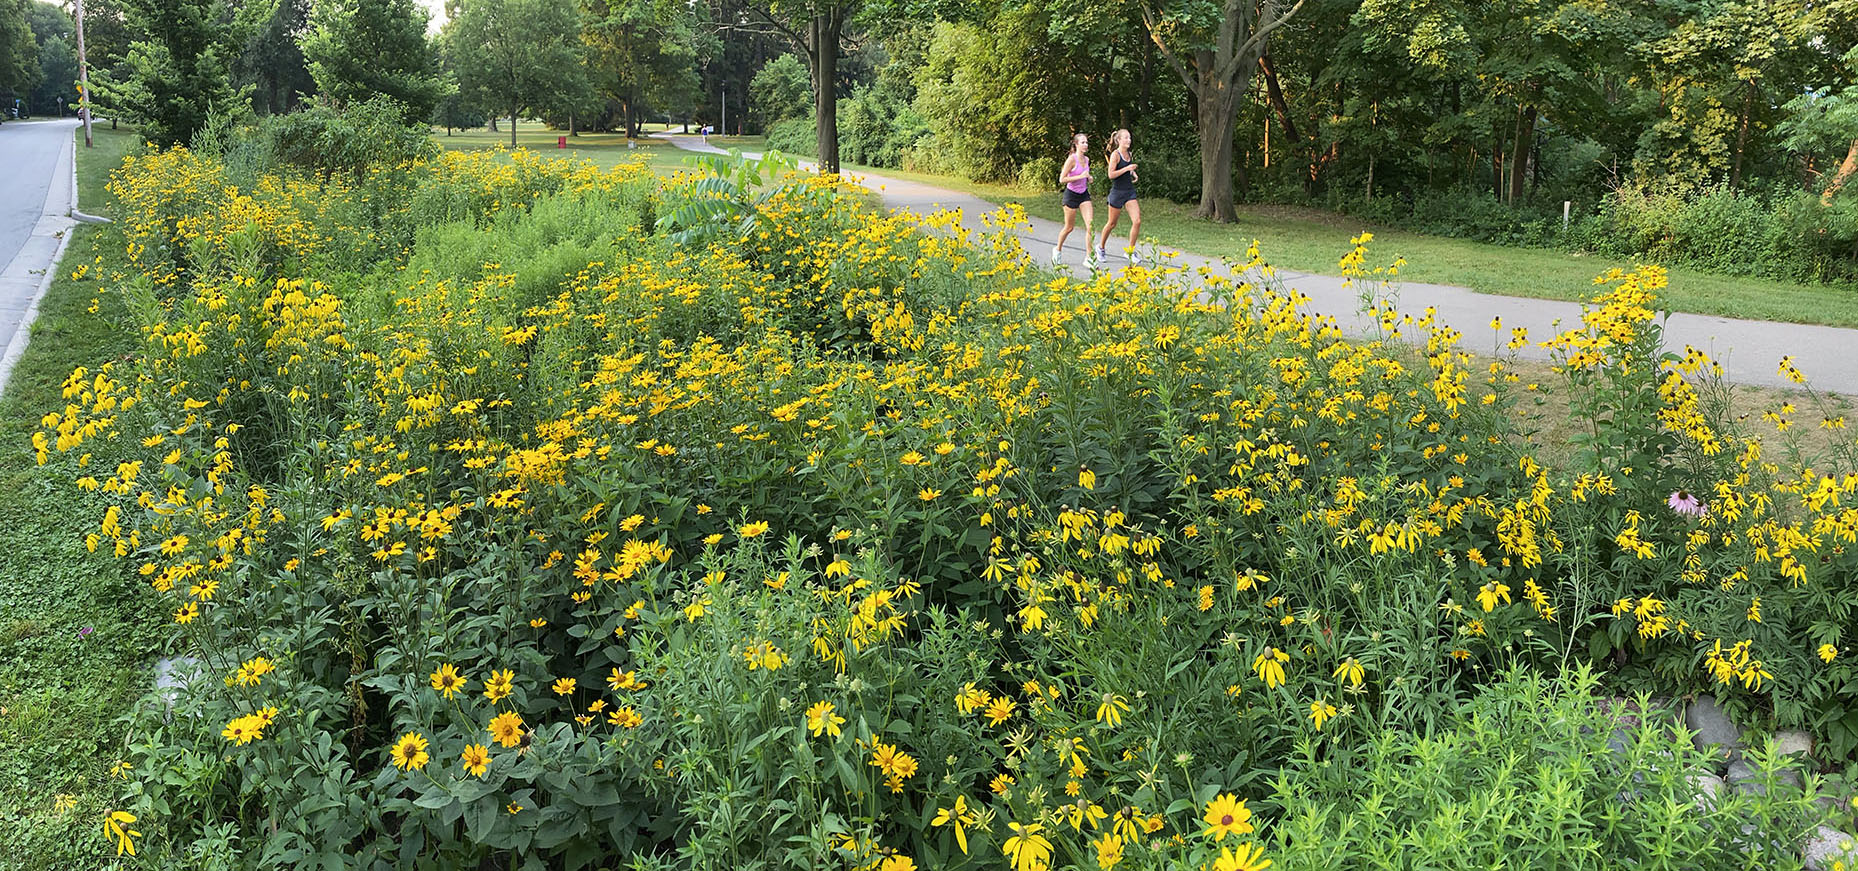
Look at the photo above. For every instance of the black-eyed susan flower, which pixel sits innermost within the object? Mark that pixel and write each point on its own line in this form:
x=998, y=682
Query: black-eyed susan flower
x=1027, y=848
x=957, y=817
x=448, y=681
x=475, y=758
x=506, y=728
x=409, y=753
x=1227, y=814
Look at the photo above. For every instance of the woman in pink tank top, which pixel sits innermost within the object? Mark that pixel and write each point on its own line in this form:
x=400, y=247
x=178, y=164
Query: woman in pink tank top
x=1075, y=179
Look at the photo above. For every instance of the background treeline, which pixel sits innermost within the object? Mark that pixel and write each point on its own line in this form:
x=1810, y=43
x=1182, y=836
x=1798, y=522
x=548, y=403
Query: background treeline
x=1710, y=133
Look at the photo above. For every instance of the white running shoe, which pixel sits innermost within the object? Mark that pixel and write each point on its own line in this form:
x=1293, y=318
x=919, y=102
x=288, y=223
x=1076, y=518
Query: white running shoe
x=1135, y=257
x=1103, y=253
x=1055, y=252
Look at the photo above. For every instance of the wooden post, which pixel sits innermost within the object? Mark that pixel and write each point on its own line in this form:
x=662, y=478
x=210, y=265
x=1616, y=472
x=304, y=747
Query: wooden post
x=1566, y=206
x=83, y=76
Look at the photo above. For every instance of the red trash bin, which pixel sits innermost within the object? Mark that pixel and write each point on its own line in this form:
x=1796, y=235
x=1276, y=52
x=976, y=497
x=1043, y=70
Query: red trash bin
x=561, y=142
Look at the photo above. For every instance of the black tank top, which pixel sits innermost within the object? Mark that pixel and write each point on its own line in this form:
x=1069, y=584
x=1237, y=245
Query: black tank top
x=1124, y=183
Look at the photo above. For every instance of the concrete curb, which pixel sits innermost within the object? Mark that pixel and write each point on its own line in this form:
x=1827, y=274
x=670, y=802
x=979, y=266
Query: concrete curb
x=54, y=222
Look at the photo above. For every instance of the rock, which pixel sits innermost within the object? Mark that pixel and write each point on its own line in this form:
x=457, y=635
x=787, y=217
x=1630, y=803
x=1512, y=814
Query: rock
x=1708, y=787
x=1793, y=742
x=1827, y=846
x=1744, y=778
x=172, y=675
x=1711, y=726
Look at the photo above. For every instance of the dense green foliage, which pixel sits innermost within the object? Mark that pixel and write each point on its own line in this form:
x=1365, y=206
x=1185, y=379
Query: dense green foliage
x=359, y=50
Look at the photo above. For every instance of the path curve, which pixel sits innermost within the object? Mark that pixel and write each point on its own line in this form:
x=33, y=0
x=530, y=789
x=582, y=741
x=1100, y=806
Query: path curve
x=1749, y=351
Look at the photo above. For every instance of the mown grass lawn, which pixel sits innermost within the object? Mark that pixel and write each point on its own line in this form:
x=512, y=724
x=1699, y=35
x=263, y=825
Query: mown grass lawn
x=605, y=149
x=73, y=644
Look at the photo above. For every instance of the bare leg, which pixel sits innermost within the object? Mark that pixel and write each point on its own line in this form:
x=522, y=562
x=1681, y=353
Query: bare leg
x=1108, y=226
x=1135, y=221
x=1070, y=220
x=1087, y=209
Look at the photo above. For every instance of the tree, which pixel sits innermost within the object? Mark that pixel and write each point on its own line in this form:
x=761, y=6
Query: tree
x=513, y=54
x=642, y=52
x=270, y=59
x=1215, y=49
x=52, y=28
x=781, y=90
x=19, y=53
x=358, y=49
x=178, y=73
x=816, y=28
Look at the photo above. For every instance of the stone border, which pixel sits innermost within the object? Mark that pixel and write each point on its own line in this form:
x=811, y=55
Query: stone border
x=1710, y=726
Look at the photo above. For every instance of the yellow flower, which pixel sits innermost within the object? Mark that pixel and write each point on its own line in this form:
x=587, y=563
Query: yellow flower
x=959, y=817
x=1270, y=667
x=1827, y=652
x=999, y=710
x=1350, y=671
x=447, y=680
x=186, y=613
x=1321, y=711
x=564, y=686
x=1110, y=712
x=928, y=495
x=1248, y=858
x=115, y=827
x=499, y=685
x=625, y=717
x=476, y=759
x=753, y=530
x=409, y=752
x=1086, y=479
x=822, y=720
x=1488, y=595
x=1109, y=852
x=506, y=728
x=1227, y=814
x=1029, y=850
x=897, y=862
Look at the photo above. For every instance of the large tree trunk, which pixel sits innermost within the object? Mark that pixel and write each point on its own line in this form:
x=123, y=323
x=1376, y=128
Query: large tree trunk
x=823, y=48
x=1519, y=163
x=1217, y=117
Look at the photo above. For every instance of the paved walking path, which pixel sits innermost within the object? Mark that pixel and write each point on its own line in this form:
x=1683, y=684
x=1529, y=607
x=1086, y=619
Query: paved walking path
x=1749, y=351
x=35, y=220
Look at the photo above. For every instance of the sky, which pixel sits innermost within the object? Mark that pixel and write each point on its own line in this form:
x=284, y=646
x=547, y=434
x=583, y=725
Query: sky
x=437, y=9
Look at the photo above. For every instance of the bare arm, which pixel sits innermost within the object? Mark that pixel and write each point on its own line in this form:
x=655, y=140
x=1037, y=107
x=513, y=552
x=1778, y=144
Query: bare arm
x=1127, y=167
x=1067, y=176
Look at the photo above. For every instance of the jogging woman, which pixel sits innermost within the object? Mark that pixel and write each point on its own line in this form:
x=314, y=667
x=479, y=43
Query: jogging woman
x=1075, y=177
x=1122, y=196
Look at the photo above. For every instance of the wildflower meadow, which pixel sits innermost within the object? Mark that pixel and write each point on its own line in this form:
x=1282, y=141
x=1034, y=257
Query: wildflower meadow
x=501, y=512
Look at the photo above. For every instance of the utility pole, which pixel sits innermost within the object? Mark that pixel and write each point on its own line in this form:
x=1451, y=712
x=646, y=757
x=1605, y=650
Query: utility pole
x=724, y=129
x=83, y=76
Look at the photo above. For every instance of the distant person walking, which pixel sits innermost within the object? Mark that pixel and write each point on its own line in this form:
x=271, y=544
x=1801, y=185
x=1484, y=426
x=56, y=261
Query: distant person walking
x=1075, y=179
x=1122, y=197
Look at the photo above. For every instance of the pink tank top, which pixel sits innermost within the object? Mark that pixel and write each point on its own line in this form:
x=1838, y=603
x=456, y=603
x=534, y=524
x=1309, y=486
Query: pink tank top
x=1082, y=184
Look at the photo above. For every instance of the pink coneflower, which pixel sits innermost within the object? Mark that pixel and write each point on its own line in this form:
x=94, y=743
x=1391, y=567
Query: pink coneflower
x=1684, y=503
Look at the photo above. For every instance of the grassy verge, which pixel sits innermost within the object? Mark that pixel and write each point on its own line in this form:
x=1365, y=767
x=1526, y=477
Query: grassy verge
x=1311, y=240
x=604, y=149
x=72, y=641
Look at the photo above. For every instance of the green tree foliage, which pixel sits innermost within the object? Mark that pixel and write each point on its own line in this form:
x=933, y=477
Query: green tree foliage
x=177, y=73
x=781, y=90
x=358, y=49
x=19, y=54
x=270, y=59
x=642, y=53
x=514, y=55
x=52, y=29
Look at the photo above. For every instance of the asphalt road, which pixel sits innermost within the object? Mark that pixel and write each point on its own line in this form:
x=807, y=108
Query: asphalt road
x=29, y=153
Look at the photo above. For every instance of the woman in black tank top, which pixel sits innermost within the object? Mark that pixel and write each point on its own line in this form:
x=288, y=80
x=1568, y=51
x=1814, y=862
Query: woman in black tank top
x=1122, y=196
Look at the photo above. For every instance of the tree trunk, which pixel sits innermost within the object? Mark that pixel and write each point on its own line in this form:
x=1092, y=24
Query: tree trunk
x=513, y=110
x=1741, y=133
x=823, y=46
x=1275, y=93
x=1846, y=169
x=1519, y=163
x=1217, y=117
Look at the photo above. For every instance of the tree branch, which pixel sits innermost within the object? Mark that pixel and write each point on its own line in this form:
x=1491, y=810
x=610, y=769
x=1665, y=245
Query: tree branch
x=1154, y=34
x=786, y=31
x=1264, y=29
